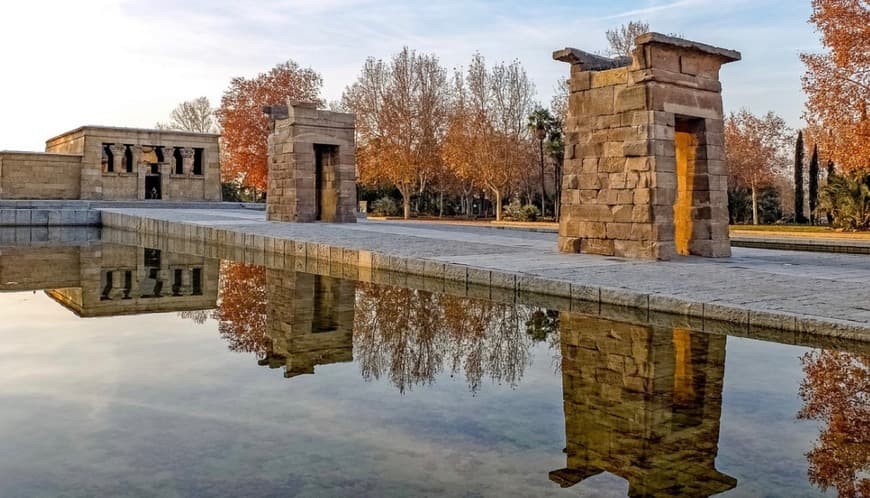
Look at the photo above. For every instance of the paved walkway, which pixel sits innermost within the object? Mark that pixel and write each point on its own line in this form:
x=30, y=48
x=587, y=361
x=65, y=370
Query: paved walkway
x=809, y=292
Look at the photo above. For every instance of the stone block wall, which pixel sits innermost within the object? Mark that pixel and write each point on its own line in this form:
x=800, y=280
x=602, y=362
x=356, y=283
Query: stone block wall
x=642, y=403
x=97, y=183
x=312, y=168
x=644, y=173
x=34, y=175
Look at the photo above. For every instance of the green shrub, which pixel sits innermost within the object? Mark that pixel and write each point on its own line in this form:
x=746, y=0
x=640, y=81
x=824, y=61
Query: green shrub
x=848, y=202
x=385, y=206
x=518, y=212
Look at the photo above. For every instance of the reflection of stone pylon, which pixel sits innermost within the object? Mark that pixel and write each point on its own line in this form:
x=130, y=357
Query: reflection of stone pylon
x=309, y=320
x=643, y=404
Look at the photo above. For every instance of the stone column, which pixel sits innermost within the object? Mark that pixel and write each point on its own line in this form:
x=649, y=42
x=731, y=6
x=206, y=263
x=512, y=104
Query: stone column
x=167, y=152
x=165, y=173
x=187, y=160
x=142, y=172
x=117, y=157
x=136, y=153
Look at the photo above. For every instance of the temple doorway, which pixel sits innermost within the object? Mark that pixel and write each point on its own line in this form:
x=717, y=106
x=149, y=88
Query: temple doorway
x=153, y=184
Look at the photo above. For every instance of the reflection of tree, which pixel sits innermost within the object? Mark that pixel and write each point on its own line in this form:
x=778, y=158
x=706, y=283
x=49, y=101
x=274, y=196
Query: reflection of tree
x=241, y=309
x=836, y=390
x=411, y=336
x=198, y=316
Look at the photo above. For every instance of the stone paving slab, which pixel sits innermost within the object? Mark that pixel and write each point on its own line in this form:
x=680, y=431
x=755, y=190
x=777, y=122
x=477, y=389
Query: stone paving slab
x=796, y=291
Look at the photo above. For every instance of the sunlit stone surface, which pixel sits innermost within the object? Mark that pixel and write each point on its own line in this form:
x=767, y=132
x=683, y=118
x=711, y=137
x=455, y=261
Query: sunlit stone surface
x=645, y=174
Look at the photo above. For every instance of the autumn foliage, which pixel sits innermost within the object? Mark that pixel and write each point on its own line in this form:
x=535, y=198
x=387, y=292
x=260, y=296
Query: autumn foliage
x=245, y=129
x=401, y=107
x=836, y=391
x=756, y=151
x=837, y=83
x=241, y=311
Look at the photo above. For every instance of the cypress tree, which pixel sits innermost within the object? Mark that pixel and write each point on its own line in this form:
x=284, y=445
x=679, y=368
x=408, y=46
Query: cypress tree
x=814, y=183
x=799, y=179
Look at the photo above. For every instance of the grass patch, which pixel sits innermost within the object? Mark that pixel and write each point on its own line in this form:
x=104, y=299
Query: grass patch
x=784, y=228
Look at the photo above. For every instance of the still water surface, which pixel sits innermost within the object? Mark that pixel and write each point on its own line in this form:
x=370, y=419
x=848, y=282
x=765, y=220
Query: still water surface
x=131, y=371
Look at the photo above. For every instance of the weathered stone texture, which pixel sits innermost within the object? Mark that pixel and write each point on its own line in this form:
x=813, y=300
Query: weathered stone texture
x=644, y=173
x=312, y=170
x=91, y=163
x=28, y=175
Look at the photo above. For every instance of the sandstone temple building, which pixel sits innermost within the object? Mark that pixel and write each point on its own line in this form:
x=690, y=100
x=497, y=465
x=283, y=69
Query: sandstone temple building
x=109, y=163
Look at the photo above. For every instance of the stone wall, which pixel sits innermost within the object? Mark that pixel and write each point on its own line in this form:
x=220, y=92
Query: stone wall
x=645, y=173
x=97, y=182
x=34, y=175
x=642, y=403
x=312, y=168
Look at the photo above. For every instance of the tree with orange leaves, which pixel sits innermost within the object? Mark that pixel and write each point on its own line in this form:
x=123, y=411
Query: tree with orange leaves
x=400, y=107
x=245, y=129
x=487, y=141
x=837, y=83
x=836, y=390
x=755, y=150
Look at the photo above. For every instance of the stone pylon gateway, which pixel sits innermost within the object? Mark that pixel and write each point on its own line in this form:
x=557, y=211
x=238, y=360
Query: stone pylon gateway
x=312, y=170
x=645, y=174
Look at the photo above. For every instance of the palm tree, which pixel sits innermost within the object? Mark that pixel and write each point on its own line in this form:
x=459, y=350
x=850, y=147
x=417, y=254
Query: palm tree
x=848, y=200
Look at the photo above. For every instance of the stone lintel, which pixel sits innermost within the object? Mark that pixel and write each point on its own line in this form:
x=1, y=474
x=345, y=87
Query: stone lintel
x=276, y=112
x=724, y=54
x=307, y=114
x=587, y=61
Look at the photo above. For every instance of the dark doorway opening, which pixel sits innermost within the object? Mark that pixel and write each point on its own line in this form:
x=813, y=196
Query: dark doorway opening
x=152, y=186
x=128, y=159
x=325, y=198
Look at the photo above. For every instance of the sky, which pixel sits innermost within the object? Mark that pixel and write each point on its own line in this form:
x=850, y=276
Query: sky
x=130, y=62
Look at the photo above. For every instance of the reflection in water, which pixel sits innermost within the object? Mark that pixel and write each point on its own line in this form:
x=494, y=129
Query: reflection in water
x=309, y=321
x=640, y=402
x=298, y=320
x=410, y=336
x=836, y=390
x=644, y=404
x=108, y=280
x=241, y=310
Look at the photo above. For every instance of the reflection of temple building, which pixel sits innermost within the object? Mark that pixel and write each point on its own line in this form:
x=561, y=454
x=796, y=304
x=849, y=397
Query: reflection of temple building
x=309, y=320
x=643, y=404
x=105, y=280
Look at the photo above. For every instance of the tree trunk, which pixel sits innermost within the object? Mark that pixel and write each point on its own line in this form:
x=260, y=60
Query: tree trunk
x=406, y=204
x=557, y=179
x=497, y=205
x=543, y=188
x=754, y=206
x=440, y=204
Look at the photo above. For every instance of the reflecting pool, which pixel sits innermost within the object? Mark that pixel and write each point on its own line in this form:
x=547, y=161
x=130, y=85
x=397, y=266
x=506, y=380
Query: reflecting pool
x=139, y=367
